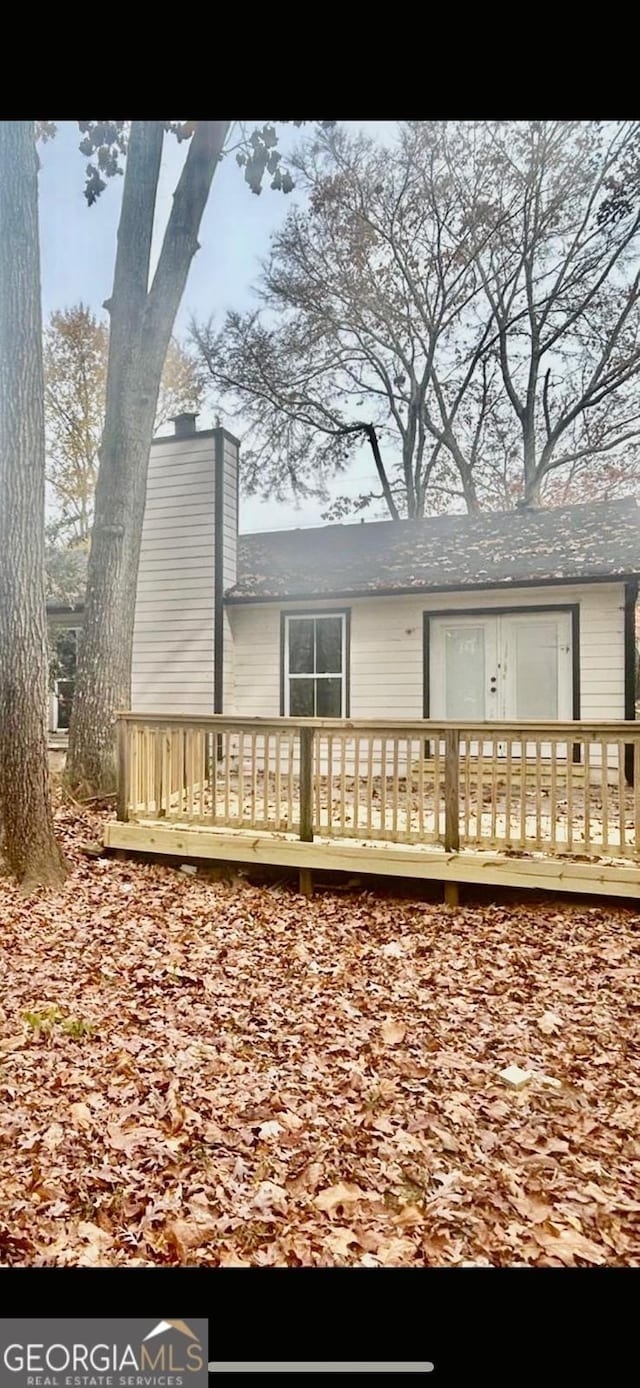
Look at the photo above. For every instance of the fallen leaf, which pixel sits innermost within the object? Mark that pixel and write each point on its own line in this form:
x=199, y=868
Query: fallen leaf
x=270, y=1129
x=339, y=1240
x=549, y=1023
x=97, y=1244
x=185, y=1234
x=409, y=1216
x=570, y=1245
x=394, y=1252
x=81, y=1115
x=269, y=1198
x=127, y=1140
x=534, y=1211
x=336, y=1197
x=392, y=1033
x=53, y=1136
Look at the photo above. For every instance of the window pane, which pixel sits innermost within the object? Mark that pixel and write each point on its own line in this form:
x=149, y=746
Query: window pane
x=301, y=646
x=537, y=670
x=329, y=698
x=465, y=675
x=329, y=645
x=301, y=698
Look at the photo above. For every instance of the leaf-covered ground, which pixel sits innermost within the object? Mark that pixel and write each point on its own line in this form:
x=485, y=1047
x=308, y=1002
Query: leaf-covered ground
x=194, y=1071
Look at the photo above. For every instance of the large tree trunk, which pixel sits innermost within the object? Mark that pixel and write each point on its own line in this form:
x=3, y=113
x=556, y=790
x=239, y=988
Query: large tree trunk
x=142, y=321
x=104, y=665
x=29, y=843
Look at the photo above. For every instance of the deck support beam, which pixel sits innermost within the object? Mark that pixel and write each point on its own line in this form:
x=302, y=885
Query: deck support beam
x=487, y=869
x=305, y=882
x=452, y=894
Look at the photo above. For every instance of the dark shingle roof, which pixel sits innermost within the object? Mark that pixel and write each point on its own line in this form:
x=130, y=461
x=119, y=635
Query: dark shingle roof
x=597, y=541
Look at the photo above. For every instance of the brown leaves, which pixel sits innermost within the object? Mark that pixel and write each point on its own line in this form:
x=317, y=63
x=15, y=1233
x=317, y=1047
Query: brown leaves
x=183, y=1235
x=128, y=1140
x=340, y=1240
x=252, y=1081
x=549, y=1023
x=571, y=1246
x=80, y=1116
x=338, y=1196
x=392, y=1033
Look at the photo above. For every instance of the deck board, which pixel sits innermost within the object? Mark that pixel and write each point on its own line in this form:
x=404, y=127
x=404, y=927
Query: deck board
x=384, y=859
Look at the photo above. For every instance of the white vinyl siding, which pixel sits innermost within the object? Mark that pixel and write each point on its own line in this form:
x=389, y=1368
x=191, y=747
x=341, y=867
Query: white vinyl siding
x=173, y=644
x=172, y=667
x=386, y=656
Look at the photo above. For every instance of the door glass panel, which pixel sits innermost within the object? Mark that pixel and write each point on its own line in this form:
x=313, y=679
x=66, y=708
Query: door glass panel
x=465, y=672
x=301, y=646
x=301, y=698
x=329, y=645
x=329, y=698
x=536, y=651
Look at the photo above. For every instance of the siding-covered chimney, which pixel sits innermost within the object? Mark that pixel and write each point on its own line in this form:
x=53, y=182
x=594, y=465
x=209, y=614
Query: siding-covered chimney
x=182, y=642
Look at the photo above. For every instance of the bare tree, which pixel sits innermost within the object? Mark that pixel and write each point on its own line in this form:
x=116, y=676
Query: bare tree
x=369, y=329
x=558, y=262
x=468, y=297
x=29, y=842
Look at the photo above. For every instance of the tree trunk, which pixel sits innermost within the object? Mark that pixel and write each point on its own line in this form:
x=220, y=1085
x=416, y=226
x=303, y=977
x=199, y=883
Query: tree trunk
x=103, y=680
x=142, y=321
x=532, y=488
x=30, y=846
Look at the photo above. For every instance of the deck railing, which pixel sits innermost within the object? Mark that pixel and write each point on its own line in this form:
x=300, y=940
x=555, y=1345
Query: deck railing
x=561, y=788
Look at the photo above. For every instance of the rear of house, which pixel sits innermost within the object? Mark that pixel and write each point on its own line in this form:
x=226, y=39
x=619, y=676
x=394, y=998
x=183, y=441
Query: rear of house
x=453, y=687
x=523, y=615
x=491, y=618
x=498, y=617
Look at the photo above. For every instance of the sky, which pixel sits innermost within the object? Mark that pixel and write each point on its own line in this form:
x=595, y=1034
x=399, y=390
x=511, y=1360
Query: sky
x=78, y=249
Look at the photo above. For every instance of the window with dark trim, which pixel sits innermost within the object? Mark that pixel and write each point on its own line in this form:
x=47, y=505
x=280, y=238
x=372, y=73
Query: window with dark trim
x=315, y=664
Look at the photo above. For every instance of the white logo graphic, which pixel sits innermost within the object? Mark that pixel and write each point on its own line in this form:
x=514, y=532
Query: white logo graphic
x=181, y=1326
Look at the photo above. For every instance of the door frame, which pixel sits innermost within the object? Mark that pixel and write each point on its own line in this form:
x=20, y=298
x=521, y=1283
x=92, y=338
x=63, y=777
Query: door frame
x=573, y=608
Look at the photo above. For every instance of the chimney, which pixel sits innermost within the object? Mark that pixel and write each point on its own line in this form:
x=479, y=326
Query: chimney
x=182, y=644
x=184, y=424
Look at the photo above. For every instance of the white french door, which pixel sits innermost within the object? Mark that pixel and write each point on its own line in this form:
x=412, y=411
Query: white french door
x=501, y=668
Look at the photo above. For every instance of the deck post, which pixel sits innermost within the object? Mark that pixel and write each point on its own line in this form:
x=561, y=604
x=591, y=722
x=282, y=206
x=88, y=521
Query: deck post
x=306, y=784
x=307, y=736
x=452, y=894
x=122, y=802
x=305, y=882
x=452, y=790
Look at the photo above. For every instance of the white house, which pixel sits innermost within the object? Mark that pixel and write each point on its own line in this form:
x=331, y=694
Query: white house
x=528, y=614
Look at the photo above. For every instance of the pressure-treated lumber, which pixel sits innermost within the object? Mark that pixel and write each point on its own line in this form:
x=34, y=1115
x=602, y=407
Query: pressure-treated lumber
x=491, y=869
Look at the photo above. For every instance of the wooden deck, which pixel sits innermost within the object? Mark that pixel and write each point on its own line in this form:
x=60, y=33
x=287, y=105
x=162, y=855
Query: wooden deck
x=531, y=805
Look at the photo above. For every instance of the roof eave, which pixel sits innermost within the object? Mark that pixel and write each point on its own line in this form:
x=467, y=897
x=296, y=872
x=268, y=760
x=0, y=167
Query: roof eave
x=508, y=585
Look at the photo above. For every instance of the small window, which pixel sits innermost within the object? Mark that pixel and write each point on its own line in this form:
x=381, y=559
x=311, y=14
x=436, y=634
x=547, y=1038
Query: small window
x=315, y=666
